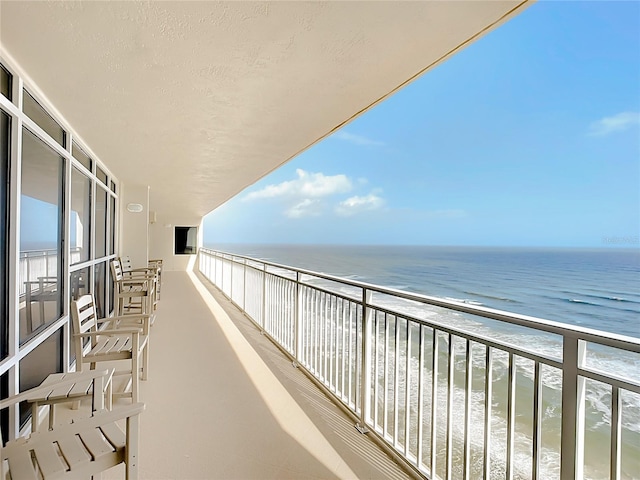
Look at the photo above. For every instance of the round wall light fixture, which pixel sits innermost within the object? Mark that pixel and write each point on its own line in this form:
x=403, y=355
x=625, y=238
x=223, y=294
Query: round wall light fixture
x=134, y=207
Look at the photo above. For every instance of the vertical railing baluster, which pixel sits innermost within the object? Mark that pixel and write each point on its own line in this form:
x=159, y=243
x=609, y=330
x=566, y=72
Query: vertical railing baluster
x=573, y=390
x=351, y=364
x=344, y=351
x=434, y=401
x=385, y=406
x=396, y=382
x=450, y=388
x=365, y=372
x=419, y=443
x=407, y=389
x=511, y=415
x=336, y=359
x=298, y=339
x=616, y=432
x=537, y=421
x=488, y=395
x=376, y=372
x=468, y=386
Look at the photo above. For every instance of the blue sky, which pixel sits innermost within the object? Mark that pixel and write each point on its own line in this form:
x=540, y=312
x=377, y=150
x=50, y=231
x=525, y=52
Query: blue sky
x=528, y=137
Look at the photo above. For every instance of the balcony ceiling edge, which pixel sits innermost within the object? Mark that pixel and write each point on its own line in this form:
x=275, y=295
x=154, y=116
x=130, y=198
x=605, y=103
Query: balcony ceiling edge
x=201, y=99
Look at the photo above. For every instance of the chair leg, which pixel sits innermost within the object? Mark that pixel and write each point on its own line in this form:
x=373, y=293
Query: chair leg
x=135, y=378
x=145, y=361
x=131, y=460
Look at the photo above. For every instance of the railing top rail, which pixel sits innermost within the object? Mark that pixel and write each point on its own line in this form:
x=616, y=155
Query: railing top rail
x=588, y=334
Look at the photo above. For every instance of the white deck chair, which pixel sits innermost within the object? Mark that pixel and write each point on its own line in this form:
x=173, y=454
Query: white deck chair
x=81, y=449
x=127, y=338
x=134, y=293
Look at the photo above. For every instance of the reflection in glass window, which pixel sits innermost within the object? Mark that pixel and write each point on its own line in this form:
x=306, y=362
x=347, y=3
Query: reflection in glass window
x=79, y=155
x=80, y=218
x=80, y=284
x=5, y=134
x=45, y=359
x=99, y=289
x=101, y=222
x=5, y=82
x=101, y=175
x=41, y=226
x=112, y=203
x=45, y=121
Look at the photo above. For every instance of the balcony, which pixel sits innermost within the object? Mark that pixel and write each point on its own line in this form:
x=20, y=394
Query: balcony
x=223, y=402
x=481, y=393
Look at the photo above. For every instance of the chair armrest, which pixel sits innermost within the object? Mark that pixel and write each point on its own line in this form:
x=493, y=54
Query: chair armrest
x=123, y=331
x=14, y=399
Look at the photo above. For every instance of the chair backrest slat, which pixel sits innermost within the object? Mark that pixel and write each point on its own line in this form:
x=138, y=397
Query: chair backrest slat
x=116, y=270
x=83, y=314
x=125, y=263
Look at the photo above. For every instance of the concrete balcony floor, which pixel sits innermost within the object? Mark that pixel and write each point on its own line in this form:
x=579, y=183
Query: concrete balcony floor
x=222, y=402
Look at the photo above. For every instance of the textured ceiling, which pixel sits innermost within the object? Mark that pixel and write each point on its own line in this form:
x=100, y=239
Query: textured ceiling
x=199, y=100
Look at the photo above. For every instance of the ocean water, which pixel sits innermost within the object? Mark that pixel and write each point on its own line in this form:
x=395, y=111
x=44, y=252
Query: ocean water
x=594, y=288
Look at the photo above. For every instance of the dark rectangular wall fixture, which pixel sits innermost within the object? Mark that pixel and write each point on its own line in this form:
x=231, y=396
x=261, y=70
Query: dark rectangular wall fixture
x=186, y=240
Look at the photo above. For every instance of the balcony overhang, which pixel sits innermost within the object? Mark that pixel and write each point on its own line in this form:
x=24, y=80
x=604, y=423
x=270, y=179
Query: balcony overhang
x=199, y=100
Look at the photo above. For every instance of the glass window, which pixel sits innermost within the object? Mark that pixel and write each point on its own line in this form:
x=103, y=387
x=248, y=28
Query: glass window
x=101, y=222
x=101, y=175
x=4, y=414
x=98, y=291
x=45, y=359
x=80, y=219
x=112, y=203
x=41, y=227
x=79, y=155
x=113, y=187
x=45, y=121
x=186, y=240
x=5, y=135
x=5, y=82
x=79, y=283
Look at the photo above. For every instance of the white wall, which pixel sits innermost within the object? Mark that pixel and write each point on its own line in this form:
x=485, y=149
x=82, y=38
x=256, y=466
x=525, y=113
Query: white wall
x=161, y=238
x=134, y=227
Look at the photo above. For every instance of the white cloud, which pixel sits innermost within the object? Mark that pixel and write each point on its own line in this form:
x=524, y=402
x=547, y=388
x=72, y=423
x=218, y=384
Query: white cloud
x=615, y=123
x=357, y=204
x=305, y=208
x=307, y=185
x=358, y=139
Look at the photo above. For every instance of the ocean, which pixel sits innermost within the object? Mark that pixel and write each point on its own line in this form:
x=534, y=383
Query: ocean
x=594, y=288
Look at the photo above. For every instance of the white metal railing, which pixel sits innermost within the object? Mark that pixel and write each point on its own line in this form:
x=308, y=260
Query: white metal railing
x=456, y=390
